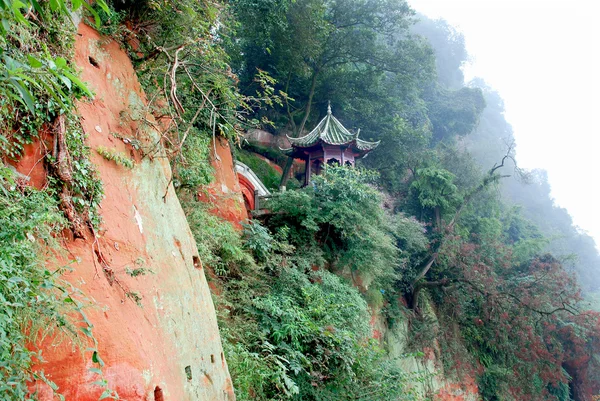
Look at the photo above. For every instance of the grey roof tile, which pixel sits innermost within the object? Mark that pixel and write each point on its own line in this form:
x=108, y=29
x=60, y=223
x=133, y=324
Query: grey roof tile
x=331, y=131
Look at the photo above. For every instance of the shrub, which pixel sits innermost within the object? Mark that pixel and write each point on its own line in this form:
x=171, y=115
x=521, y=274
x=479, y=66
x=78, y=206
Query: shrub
x=269, y=176
x=32, y=297
x=258, y=240
x=305, y=336
x=342, y=214
x=219, y=244
x=290, y=332
x=193, y=169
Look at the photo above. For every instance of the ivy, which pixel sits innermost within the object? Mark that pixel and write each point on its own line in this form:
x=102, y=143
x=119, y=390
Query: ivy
x=34, y=300
x=38, y=89
x=118, y=157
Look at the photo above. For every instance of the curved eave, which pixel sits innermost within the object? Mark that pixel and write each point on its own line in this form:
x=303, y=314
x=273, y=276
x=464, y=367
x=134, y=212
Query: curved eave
x=358, y=147
x=366, y=145
x=287, y=151
x=305, y=141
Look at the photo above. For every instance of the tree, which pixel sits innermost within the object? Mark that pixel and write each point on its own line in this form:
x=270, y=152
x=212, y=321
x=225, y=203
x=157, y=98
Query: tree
x=449, y=46
x=305, y=43
x=340, y=218
x=518, y=320
x=435, y=191
x=453, y=113
x=577, y=249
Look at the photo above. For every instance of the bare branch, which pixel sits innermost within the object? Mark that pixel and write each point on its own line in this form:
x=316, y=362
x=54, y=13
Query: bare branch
x=173, y=92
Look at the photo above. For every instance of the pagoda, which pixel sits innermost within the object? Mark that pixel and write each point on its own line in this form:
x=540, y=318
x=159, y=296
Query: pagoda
x=329, y=142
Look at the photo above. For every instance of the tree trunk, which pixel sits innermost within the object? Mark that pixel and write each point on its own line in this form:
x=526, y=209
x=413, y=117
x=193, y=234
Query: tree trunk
x=286, y=172
x=311, y=94
x=287, y=104
x=412, y=299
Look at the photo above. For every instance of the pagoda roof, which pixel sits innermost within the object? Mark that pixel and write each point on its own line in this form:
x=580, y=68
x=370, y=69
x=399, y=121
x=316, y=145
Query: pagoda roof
x=331, y=131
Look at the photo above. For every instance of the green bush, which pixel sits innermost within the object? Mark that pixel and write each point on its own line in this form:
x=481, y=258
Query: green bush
x=219, y=244
x=341, y=214
x=269, y=176
x=193, y=169
x=305, y=336
x=492, y=382
x=32, y=298
x=290, y=332
x=258, y=240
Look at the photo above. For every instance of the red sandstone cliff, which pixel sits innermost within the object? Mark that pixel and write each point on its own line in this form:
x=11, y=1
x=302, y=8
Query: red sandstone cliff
x=147, y=348
x=224, y=194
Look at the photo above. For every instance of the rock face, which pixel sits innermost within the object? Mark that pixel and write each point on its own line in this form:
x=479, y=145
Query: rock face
x=224, y=194
x=265, y=138
x=165, y=346
x=436, y=384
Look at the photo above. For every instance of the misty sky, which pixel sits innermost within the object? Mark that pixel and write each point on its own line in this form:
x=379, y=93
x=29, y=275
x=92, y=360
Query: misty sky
x=543, y=57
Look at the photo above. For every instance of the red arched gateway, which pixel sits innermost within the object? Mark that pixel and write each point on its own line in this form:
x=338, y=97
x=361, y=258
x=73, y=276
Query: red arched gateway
x=248, y=192
x=250, y=185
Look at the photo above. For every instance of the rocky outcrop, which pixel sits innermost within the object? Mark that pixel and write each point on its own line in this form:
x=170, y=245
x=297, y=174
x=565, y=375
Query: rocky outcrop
x=433, y=384
x=157, y=332
x=267, y=139
x=224, y=193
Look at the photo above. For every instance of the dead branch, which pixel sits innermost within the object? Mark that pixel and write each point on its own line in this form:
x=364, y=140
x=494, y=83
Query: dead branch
x=109, y=273
x=564, y=308
x=187, y=131
x=173, y=92
x=180, y=145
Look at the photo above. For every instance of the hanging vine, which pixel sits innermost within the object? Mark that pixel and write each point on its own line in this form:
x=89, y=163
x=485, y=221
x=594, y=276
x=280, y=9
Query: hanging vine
x=38, y=90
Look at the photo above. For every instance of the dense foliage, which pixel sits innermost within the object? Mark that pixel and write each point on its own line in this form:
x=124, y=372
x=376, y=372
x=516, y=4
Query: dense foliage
x=38, y=88
x=485, y=266
x=38, y=91
x=476, y=261
x=339, y=220
x=322, y=50
x=291, y=331
x=28, y=293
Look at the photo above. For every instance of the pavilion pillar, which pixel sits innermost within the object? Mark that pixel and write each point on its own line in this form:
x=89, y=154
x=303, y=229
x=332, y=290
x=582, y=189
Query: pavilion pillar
x=307, y=171
x=286, y=173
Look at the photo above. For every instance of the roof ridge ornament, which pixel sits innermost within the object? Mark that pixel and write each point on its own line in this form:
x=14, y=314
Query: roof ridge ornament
x=329, y=107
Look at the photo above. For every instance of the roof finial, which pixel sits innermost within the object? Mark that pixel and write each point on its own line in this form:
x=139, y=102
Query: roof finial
x=329, y=107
